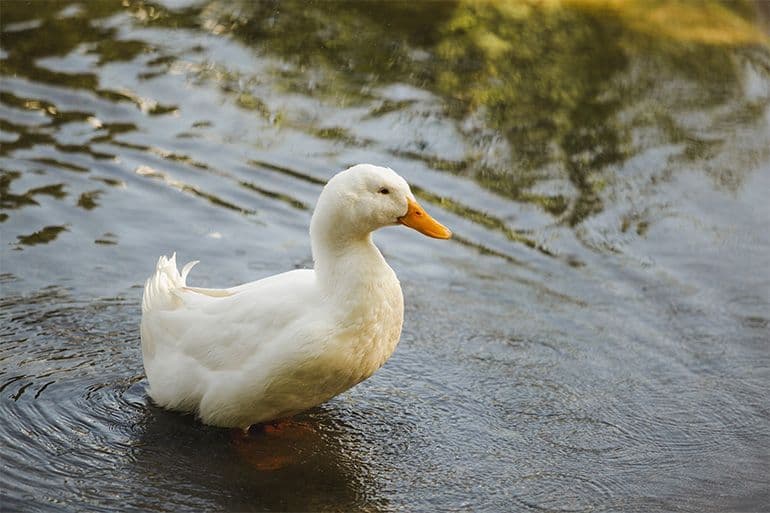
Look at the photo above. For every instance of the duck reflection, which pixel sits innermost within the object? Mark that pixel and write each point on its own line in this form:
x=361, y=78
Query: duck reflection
x=306, y=463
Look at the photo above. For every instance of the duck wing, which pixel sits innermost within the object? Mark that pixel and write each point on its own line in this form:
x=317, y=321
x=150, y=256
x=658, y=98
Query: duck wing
x=190, y=336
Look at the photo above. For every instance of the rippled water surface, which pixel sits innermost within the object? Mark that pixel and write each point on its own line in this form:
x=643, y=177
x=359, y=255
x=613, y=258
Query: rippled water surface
x=595, y=337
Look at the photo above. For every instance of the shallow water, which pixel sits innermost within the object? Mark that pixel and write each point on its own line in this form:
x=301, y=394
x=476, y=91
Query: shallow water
x=595, y=337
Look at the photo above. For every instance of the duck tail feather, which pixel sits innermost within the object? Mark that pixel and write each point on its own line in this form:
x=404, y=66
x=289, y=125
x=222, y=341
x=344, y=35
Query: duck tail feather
x=162, y=290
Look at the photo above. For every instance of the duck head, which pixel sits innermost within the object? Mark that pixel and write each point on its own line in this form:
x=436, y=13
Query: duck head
x=364, y=198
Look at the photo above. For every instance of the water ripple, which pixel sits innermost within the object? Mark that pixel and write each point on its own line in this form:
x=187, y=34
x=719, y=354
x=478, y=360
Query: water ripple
x=593, y=339
x=553, y=491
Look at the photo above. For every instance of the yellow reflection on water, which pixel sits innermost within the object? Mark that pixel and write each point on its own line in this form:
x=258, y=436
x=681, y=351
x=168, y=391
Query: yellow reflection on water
x=696, y=21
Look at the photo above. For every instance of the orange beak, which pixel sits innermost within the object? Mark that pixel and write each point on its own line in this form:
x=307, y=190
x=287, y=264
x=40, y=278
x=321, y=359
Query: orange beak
x=418, y=219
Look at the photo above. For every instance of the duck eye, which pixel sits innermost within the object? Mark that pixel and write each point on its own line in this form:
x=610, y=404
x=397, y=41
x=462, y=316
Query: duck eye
x=384, y=190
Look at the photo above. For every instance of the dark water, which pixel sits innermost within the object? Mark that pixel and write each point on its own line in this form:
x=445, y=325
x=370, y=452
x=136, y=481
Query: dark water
x=595, y=338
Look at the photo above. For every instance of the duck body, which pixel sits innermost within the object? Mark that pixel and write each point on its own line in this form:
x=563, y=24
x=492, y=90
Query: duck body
x=272, y=348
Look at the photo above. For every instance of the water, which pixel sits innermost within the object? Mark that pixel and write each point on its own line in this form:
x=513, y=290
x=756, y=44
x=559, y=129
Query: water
x=595, y=338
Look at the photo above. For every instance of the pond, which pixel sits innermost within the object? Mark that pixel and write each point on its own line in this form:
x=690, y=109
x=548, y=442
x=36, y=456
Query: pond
x=594, y=337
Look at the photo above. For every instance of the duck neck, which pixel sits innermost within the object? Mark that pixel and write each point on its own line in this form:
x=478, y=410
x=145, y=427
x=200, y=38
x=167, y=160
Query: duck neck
x=344, y=255
x=346, y=264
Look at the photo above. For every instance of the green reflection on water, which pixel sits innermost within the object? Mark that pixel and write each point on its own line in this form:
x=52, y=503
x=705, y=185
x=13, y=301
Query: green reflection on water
x=558, y=88
x=552, y=79
x=43, y=236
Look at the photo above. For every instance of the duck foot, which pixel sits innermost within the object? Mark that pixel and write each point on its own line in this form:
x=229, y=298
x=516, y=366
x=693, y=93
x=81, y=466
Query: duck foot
x=271, y=446
x=277, y=426
x=272, y=427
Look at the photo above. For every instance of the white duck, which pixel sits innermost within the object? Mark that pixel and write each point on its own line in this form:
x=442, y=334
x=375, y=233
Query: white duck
x=274, y=347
